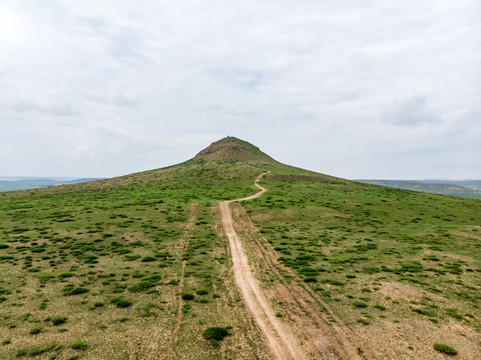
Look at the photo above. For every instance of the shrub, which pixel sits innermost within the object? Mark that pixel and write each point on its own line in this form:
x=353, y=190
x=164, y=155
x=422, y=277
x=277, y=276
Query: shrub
x=363, y=321
x=141, y=286
x=36, y=330
x=21, y=352
x=359, y=304
x=65, y=275
x=121, y=303
x=446, y=349
x=424, y=312
x=79, y=345
x=186, y=296
x=454, y=313
x=379, y=306
x=98, y=304
x=148, y=259
x=78, y=290
x=59, y=320
x=72, y=290
x=215, y=334
x=201, y=292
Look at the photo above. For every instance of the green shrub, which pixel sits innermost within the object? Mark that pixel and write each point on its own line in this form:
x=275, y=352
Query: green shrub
x=363, y=321
x=454, y=313
x=21, y=352
x=148, y=259
x=65, y=275
x=201, y=292
x=424, y=312
x=79, y=345
x=379, y=306
x=446, y=349
x=121, y=303
x=59, y=320
x=72, y=290
x=359, y=304
x=141, y=286
x=215, y=334
x=36, y=330
x=186, y=296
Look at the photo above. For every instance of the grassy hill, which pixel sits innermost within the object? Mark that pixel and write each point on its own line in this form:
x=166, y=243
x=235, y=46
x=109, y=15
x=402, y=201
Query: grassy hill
x=137, y=267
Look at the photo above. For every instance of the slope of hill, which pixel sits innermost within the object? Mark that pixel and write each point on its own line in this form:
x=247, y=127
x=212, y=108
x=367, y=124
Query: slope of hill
x=138, y=267
x=452, y=188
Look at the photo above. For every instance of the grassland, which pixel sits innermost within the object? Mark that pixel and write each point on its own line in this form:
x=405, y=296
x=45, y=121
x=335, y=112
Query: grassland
x=137, y=267
x=400, y=267
x=133, y=267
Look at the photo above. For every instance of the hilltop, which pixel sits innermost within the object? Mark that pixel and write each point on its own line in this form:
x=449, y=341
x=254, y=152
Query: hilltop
x=231, y=149
x=138, y=266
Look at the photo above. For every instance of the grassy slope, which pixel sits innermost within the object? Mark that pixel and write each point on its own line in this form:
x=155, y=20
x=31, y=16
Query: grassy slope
x=97, y=236
x=414, y=255
x=389, y=262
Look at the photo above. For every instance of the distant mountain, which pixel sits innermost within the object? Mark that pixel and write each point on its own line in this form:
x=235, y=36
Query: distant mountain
x=463, y=188
x=13, y=183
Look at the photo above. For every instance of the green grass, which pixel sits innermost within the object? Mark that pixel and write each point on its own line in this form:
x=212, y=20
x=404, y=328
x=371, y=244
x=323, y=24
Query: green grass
x=358, y=239
x=75, y=249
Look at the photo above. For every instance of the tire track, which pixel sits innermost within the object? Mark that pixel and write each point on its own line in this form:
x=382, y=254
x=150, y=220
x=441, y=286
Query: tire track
x=325, y=334
x=280, y=339
x=180, y=313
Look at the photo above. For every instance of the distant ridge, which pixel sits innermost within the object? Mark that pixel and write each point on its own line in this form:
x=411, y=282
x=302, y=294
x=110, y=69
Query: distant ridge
x=25, y=183
x=435, y=187
x=232, y=149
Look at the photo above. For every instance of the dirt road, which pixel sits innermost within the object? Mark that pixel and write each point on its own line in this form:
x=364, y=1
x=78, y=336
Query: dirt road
x=310, y=330
x=280, y=339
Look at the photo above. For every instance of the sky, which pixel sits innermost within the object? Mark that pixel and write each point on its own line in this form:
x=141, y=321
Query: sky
x=356, y=89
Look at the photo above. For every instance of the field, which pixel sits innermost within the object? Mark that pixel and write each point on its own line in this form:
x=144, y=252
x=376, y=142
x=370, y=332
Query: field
x=139, y=259
x=400, y=267
x=138, y=267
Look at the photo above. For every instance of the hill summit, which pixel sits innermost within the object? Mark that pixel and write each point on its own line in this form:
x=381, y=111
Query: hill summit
x=232, y=149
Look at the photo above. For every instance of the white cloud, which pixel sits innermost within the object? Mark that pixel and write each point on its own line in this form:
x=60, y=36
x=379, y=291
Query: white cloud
x=411, y=111
x=332, y=86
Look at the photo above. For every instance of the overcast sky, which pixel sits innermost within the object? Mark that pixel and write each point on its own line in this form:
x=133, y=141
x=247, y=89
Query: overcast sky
x=356, y=89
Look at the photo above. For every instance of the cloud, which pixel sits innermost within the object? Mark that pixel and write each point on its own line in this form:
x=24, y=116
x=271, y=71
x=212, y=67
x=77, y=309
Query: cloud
x=124, y=102
x=412, y=111
x=57, y=109
x=336, y=87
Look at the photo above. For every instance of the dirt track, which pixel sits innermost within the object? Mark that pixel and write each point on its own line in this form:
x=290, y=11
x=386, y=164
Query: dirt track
x=308, y=334
x=279, y=338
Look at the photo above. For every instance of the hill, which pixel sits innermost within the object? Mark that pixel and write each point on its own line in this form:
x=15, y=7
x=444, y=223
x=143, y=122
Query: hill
x=231, y=149
x=467, y=189
x=139, y=267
